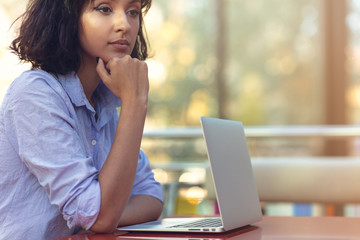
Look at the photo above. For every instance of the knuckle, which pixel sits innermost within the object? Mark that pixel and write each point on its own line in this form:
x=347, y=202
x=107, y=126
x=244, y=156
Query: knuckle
x=116, y=60
x=144, y=67
x=127, y=58
x=113, y=62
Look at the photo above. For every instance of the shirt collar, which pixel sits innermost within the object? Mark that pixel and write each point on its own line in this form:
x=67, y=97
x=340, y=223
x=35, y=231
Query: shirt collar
x=104, y=97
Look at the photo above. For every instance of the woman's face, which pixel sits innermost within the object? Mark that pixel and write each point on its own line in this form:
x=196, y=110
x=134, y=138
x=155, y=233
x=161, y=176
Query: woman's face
x=109, y=28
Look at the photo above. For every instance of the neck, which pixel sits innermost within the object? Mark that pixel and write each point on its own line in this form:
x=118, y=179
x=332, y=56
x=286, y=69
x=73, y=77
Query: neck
x=88, y=76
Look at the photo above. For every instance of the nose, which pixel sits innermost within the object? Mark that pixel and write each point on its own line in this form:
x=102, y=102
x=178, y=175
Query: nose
x=121, y=22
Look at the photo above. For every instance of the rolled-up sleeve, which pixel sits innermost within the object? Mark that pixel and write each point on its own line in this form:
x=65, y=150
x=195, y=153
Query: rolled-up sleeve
x=145, y=183
x=44, y=132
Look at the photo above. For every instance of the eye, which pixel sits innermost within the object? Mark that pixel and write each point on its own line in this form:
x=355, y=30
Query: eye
x=134, y=13
x=103, y=9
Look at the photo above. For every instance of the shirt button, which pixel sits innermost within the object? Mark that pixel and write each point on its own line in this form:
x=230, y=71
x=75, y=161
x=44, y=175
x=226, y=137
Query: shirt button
x=93, y=142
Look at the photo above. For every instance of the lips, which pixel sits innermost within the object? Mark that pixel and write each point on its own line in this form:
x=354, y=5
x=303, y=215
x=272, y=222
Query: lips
x=121, y=44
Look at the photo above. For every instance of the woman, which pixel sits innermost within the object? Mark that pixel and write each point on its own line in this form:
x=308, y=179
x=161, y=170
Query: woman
x=69, y=161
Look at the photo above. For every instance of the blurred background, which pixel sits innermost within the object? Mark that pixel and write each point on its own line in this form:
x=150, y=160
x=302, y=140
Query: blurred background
x=291, y=67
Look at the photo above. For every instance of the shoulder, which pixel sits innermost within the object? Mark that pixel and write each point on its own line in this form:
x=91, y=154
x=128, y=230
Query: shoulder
x=34, y=84
x=34, y=79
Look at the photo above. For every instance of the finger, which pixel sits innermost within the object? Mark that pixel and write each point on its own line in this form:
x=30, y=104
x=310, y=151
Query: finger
x=102, y=71
x=115, y=62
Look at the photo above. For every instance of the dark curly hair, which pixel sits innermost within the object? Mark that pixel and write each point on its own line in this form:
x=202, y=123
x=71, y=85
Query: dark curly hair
x=48, y=35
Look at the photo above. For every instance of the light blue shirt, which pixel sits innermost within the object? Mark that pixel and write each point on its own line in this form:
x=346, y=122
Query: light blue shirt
x=51, y=151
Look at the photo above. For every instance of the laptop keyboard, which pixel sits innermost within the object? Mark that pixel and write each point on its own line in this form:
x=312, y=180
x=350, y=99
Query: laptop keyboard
x=206, y=222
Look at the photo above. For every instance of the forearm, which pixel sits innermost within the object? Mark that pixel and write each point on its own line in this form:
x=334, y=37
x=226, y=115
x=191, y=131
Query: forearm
x=127, y=79
x=117, y=175
x=141, y=208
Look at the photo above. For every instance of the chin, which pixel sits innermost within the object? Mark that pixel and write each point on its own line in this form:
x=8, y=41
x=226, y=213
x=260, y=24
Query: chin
x=119, y=55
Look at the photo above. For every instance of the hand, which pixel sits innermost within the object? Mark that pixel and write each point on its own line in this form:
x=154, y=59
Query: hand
x=126, y=77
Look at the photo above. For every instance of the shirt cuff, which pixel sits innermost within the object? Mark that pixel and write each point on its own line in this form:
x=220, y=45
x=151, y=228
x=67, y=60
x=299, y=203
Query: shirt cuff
x=84, y=209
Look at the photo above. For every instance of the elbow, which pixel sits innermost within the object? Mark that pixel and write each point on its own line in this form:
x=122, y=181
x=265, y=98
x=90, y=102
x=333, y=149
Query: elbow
x=157, y=210
x=103, y=226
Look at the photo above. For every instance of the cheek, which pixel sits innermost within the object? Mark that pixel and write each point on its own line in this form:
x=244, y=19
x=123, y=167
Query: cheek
x=91, y=33
x=134, y=33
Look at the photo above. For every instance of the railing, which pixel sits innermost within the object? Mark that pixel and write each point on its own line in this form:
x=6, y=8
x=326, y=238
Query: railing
x=272, y=171
x=334, y=131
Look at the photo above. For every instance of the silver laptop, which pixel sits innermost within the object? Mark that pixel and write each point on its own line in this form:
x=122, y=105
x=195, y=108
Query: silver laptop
x=234, y=184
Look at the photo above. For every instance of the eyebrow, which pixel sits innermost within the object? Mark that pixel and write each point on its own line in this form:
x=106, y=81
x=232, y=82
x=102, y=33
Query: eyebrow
x=135, y=1
x=132, y=1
